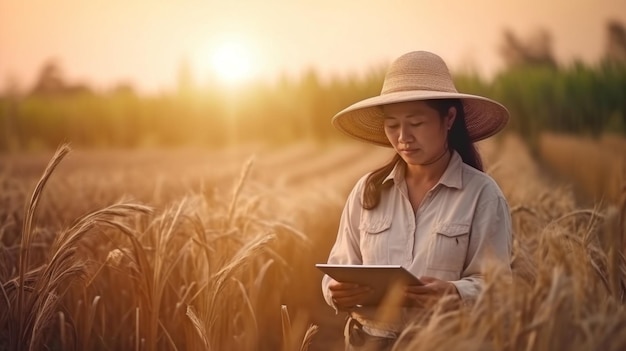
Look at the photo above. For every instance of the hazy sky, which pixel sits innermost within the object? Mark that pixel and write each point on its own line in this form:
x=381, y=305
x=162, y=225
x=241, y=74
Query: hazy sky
x=144, y=41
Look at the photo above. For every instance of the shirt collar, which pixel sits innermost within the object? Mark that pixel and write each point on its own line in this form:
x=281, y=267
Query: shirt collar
x=452, y=177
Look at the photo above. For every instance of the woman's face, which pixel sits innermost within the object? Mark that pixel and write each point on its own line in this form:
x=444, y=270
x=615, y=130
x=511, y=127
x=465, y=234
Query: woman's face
x=416, y=131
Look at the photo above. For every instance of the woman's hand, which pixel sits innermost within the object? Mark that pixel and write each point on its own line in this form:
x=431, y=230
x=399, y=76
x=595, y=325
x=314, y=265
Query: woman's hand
x=347, y=295
x=428, y=294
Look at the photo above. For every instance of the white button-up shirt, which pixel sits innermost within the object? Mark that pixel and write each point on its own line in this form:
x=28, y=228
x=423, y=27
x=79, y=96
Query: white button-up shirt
x=462, y=224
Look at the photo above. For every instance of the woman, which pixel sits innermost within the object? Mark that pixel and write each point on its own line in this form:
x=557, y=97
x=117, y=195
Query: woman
x=431, y=209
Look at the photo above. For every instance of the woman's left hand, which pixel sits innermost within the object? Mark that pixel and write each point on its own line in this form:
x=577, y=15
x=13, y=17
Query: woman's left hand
x=428, y=294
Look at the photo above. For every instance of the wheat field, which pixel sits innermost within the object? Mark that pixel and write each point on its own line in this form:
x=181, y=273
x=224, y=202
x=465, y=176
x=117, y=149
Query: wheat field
x=195, y=249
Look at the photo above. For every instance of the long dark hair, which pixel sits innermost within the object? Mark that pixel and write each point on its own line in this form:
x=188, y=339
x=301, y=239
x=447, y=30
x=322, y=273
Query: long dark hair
x=458, y=140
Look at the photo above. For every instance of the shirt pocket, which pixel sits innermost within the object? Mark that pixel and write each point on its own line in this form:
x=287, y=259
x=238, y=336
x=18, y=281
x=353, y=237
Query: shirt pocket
x=449, y=247
x=374, y=241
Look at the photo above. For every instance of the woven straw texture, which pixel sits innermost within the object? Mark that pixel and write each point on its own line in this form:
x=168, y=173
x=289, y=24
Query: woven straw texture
x=419, y=75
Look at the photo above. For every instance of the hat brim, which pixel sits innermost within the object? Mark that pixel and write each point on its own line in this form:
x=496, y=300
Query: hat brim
x=364, y=120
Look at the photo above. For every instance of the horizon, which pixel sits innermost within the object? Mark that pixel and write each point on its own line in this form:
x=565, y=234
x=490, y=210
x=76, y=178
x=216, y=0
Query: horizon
x=103, y=44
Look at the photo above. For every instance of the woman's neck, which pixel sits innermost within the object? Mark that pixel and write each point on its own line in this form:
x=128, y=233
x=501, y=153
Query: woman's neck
x=429, y=172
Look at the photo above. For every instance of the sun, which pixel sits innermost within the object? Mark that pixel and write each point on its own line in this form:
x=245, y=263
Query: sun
x=231, y=63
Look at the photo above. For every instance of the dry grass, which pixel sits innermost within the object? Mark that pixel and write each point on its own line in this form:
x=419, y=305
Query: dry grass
x=227, y=243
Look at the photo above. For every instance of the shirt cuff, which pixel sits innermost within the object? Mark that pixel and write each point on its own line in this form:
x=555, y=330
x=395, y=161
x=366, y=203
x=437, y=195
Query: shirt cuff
x=468, y=290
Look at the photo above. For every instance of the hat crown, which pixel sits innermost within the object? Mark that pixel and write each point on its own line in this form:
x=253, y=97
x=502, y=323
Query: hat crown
x=418, y=70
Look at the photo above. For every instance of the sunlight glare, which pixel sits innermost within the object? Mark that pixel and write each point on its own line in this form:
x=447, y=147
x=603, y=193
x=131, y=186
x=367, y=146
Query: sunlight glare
x=231, y=63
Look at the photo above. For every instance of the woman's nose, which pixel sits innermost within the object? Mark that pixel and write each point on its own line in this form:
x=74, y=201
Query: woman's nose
x=405, y=135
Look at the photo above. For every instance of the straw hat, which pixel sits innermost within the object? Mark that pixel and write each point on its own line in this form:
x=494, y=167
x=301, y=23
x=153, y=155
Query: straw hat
x=419, y=75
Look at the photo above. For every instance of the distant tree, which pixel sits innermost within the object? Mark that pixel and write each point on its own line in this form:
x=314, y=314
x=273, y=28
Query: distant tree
x=124, y=88
x=50, y=79
x=536, y=50
x=615, y=49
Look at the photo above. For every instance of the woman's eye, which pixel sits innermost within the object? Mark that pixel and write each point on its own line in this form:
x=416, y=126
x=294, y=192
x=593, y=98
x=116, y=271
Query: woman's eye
x=392, y=126
x=416, y=124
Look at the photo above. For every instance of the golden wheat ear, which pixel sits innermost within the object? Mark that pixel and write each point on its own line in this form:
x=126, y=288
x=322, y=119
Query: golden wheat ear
x=27, y=233
x=286, y=324
x=291, y=332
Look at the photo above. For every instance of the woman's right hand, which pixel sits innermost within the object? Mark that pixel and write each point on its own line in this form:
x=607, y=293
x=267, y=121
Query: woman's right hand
x=347, y=295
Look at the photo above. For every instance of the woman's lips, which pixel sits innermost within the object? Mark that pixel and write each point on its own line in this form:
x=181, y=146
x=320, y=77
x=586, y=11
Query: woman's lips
x=408, y=152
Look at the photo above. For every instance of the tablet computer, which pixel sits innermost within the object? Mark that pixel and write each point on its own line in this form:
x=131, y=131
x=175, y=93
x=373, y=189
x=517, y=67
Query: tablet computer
x=381, y=278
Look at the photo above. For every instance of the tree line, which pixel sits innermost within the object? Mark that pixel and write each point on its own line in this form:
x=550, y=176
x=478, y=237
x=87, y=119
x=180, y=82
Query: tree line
x=540, y=94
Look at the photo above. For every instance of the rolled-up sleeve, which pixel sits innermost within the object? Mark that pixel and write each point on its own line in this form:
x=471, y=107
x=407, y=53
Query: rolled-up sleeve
x=489, y=245
x=346, y=248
